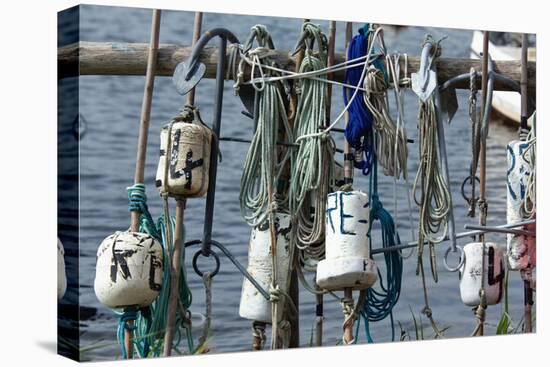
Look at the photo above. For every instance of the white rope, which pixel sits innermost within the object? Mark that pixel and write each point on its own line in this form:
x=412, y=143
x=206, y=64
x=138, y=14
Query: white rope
x=392, y=64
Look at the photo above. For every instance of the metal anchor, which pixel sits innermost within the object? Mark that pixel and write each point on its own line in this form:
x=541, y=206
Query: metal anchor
x=424, y=82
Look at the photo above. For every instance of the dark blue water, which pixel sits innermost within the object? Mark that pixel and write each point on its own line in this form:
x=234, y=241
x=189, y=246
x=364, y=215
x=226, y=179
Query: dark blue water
x=111, y=106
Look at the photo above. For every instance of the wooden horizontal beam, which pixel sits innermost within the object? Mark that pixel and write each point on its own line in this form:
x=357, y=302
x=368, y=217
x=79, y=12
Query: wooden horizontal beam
x=115, y=58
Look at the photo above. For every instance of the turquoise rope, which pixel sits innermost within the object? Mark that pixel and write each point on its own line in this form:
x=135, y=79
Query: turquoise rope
x=150, y=323
x=379, y=303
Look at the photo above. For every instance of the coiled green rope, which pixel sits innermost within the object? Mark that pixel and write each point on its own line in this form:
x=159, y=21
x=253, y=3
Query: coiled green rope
x=313, y=163
x=150, y=322
x=263, y=166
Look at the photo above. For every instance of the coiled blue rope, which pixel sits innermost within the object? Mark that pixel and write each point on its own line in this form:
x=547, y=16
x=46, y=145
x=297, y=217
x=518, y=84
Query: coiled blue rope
x=379, y=303
x=150, y=322
x=359, y=126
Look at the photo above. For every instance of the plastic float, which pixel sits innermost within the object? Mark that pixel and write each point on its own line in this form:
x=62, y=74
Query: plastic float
x=254, y=306
x=475, y=268
x=184, y=158
x=129, y=270
x=347, y=263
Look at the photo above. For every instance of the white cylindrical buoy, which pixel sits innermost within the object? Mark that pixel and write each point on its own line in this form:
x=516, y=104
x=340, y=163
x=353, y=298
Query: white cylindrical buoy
x=517, y=175
x=253, y=305
x=129, y=270
x=184, y=159
x=347, y=263
x=61, y=273
x=471, y=274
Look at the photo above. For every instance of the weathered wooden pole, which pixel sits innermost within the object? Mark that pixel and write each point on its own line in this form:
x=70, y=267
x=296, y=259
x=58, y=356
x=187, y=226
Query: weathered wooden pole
x=178, y=240
x=117, y=58
x=348, y=179
x=142, y=142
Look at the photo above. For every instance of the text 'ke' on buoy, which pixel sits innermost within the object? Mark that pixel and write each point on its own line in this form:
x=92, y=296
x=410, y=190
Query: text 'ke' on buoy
x=184, y=163
x=129, y=270
x=471, y=274
x=253, y=305
x=347, y=263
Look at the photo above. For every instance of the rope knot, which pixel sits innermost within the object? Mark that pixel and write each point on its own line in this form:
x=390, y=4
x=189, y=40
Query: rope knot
x=347, y=306
x=137, y=199
x=274, y=294
x=284, y=325
x=427, y=311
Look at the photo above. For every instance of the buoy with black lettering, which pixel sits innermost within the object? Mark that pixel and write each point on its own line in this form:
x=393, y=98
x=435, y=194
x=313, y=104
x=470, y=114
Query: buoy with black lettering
x=129, y=270
x=347, y=263
x=61, y=273
x=517, y=176
x=253, y=305
x=184, y=156
x=471, y=274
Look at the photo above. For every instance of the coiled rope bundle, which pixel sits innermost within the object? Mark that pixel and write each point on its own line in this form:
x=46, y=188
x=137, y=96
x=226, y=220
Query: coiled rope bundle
x=313, y=164
x=150, y=322
x=263, y=166
x=434, y=197
x=358, y=130
x=391, y=140
x=379, y=303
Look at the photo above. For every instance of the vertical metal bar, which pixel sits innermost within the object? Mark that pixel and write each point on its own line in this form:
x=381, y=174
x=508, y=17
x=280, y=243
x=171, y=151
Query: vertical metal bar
x=483, y=146
x=480, y=330
x=348, y=179
x=523, y=81
x=348, y=163
x=211, y=196
x=445, y=168
x=142, y=141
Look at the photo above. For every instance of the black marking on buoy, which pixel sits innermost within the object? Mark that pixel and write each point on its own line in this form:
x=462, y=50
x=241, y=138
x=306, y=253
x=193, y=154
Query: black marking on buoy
x=187, y=171
x=491, y=266
x=158, y=183
x=154, y=264
x=119, y=259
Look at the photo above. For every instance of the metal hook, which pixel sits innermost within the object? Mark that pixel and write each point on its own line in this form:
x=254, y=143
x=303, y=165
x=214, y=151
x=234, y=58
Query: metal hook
x=424, y=82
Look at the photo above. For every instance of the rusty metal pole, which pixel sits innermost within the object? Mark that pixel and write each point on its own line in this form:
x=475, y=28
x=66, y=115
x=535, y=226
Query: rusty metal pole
x=178, y=229
x=483, y=168
x=348, y=179
x=142, y=142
